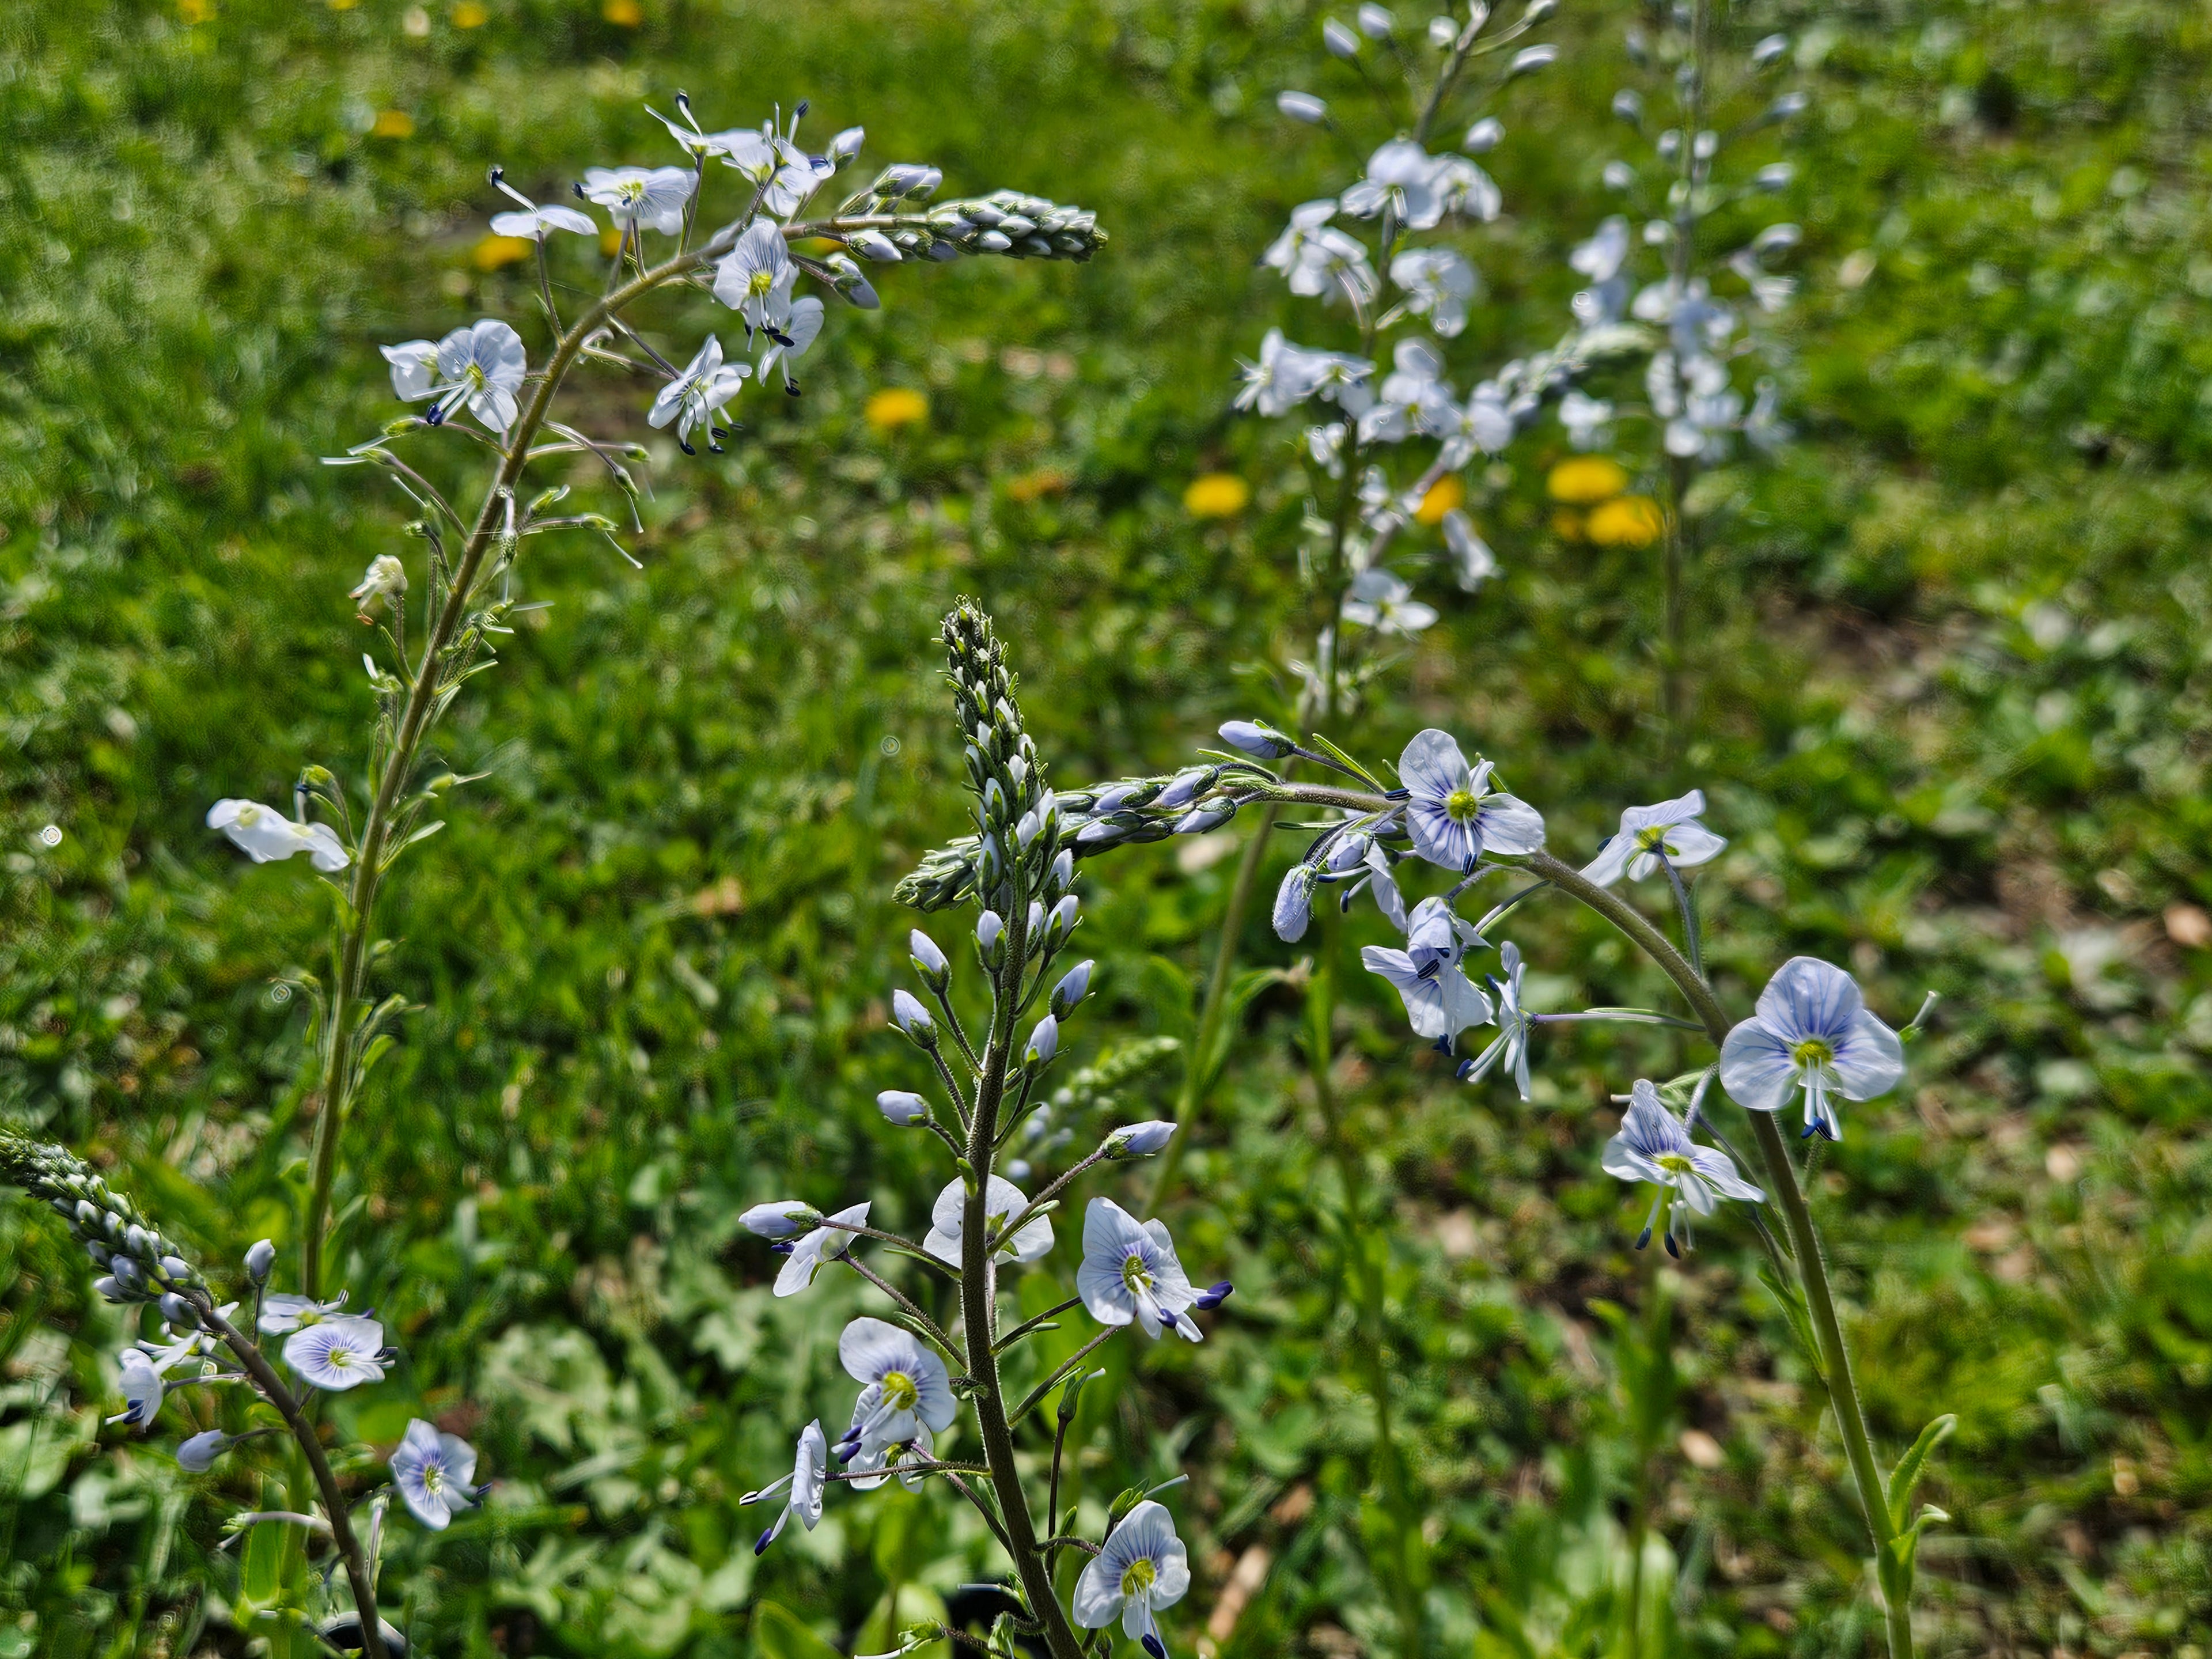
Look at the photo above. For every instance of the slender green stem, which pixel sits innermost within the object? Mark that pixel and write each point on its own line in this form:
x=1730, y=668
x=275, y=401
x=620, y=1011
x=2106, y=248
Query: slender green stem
x=1805, y=1239
x=979, y=1308
x=303, y=1433
x=1190, y=1099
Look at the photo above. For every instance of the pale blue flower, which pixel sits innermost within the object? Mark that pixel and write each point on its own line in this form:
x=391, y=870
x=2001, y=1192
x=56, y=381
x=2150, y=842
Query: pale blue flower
x=1142, y=1567
x=1453, y=814
x=948, y=1216
x=1655, y=1145
x=811, y=1253
x=266, y=834
x=283, y=1312
x=1441, y=1000
x=650, y=198
x=755, y=279
x=1811, y=1031
x=534, y=221
x=1130, y=1273
x=480, y=367
x=907, y=1388
x=805, y=1483
x=1510, y=1047
x=697, y=395
x=789, y=344
x=341, y=1352
x=780, y=1217
x=142, y=1390
x=1670, y=827
x=1381, y=600
x=433, y=1472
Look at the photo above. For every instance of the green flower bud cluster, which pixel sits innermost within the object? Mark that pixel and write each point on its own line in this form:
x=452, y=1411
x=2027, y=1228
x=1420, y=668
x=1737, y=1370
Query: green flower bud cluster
x=1006, y=223
x=141, y=1264
x=1017, y=818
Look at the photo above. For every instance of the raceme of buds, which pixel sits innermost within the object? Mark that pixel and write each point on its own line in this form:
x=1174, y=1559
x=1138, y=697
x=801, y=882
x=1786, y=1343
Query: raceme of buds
x=141, y=1265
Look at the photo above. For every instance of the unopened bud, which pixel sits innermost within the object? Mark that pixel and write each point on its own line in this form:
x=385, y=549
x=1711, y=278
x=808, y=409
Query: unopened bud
x=847, y=145
x=928, y=961
x=1044, y=1042
x=1302, y=106
x=1070, y=989
x=900, y=1107
x=258, y=1260
x=1340, y=41
x=1256, y=737
x=780, y=1219
x=1140, y=1139
x=913, y=1019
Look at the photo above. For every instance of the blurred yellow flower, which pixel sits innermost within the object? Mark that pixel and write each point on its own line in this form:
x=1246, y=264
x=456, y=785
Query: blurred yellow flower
x=469, y=16
x=1581, y=480
x=190, y=12
x=1217, y=496
x=1567, y=526
x=894, y=406
x=624, y=13
x=1626, y=521
x=392, y=123
x=1444, y=494
x=1031, y=486
x=493, y=252
x=609, y=239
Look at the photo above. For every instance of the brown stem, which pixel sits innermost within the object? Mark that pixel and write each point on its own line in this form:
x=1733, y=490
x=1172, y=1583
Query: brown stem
x=342, y=1533
x=979, y=1310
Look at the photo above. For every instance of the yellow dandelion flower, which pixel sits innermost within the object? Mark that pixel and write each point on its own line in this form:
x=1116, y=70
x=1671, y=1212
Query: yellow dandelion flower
x=624, y=13
x=1626, y=521
x=1216, y=495
x=190, y=12
x=1567, y=526
x=1034, y=486
x=1584, y=480
x=609, y=239
x=894, y=406
x=469, y=16
x=392, y=123
x=1444, y=494
x=493, y=252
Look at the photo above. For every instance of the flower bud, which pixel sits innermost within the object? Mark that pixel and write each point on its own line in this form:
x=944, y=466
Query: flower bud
x=780, y=1219
x=913, y=1019
x=928, y=961
x=1294, y=904
x=1529, y=59
x=902, y=1108
x=1340, y=41
x=874, y=245
x=1788, y=106
x=1376, y=21
x=180, y=1314
x=1099, y=832
x=1770, y=49
x=1026, y=830
x=1537, y=12
x=179, y=1270
x=1256, y=737
x=1302, y=106
x=1063, y=918
x=1069, y=991
x=259, y=1259
x=1183, y=788
x=1140, y=1139
x=990, y=935
x=1062, y=872
x=198, y=1454
x=1483, y=136
x=1205, y=818
x=1036, y=921
x=1348, y=851
x=1044, y=1042
x=109, y=1289
x=1444, y=32
x=847, y=145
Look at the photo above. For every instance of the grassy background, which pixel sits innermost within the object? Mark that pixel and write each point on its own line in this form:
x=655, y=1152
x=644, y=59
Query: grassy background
x=1956, y=712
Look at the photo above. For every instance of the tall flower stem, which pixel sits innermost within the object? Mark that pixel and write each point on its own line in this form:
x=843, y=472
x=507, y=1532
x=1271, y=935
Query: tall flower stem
x=303, y=1432
x=1774, y=1153
x=1782, y=1176
x=979, y=1307
x=1682, y=258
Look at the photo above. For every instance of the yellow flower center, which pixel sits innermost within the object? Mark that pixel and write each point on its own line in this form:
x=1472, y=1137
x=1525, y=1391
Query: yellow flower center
x=1460, y=805
x=1653, y=840
x=1135, y=1275
x=1139, y=1577
x=899, y=1391
x=1812, y=1052
x=1674, y=1164
x=760, y=282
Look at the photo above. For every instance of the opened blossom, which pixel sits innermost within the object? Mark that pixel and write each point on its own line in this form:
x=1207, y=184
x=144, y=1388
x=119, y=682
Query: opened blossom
x=1810, y=1034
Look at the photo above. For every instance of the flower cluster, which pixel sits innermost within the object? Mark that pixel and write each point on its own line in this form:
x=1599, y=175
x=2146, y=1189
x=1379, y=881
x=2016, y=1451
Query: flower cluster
x=913, y=1374
x=1389, y=249
x=1649, y=272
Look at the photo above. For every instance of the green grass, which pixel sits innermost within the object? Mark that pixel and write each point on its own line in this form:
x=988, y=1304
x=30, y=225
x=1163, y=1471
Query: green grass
x=1955, y=716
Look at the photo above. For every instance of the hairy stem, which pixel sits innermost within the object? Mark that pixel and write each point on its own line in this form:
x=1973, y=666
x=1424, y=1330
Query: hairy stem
x=1781, y=1177
x=979, y=1308
x=342, y=1533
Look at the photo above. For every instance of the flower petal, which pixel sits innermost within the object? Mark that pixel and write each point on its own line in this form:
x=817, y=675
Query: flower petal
x=1756, y=1068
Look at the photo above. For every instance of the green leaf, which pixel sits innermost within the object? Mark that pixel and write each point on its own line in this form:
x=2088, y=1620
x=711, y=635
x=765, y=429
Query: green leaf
x=1349, y=764
x=1906, y=1475
x=778, y=1634
x=1793, y=1309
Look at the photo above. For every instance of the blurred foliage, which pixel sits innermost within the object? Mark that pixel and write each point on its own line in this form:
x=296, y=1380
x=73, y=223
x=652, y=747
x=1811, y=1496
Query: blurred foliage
x=1954, y=713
